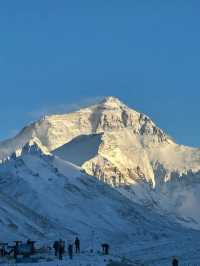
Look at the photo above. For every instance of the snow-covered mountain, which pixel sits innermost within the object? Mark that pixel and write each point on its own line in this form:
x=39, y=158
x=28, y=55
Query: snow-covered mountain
x=123, y=148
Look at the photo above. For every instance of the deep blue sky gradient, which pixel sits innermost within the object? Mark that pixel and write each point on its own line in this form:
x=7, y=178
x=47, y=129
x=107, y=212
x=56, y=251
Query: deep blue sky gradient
x=56, y=53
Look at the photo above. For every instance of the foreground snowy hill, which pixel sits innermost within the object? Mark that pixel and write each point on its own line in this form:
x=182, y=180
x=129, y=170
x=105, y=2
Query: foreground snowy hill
x=125, y=149
x=43, y=197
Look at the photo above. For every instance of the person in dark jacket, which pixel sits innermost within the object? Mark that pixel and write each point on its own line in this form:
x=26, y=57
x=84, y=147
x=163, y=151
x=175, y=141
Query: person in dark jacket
x=15, y=250
x=61, y=249
x=174, y=262
x=56, y=246
x=105, y=248
x=70, y=251
x=77, y=245
x=3, y=251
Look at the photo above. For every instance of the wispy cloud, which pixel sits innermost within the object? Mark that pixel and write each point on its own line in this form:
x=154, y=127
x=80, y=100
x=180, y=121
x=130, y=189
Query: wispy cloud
x=13, y=132
x=63, y=108
x=10, y=134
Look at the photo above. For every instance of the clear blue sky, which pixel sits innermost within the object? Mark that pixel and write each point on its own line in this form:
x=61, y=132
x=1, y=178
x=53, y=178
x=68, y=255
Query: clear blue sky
x=56, y=53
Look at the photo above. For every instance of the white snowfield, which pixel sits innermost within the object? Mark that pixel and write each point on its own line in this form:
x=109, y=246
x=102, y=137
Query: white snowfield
x=108, y=174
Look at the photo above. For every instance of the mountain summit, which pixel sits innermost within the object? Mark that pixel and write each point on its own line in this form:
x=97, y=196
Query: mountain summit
x=111, y=101
x=110, y=114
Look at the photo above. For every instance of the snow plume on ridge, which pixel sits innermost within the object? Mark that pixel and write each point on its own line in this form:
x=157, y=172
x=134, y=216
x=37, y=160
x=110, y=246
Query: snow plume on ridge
x=63, y=108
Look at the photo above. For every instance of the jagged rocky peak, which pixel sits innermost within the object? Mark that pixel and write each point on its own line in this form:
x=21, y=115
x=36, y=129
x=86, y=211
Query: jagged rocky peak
x=112, y=114
x=34, y=146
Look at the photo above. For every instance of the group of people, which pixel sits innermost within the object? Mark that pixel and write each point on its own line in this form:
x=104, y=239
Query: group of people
x=59, y=247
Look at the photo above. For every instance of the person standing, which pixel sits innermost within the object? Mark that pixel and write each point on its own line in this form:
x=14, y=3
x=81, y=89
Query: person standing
x=77, y=245
x=174, y=262
x=15, y=250
x=56, y=247
x=70, y=251
x=105, y=248
x=61, y=249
